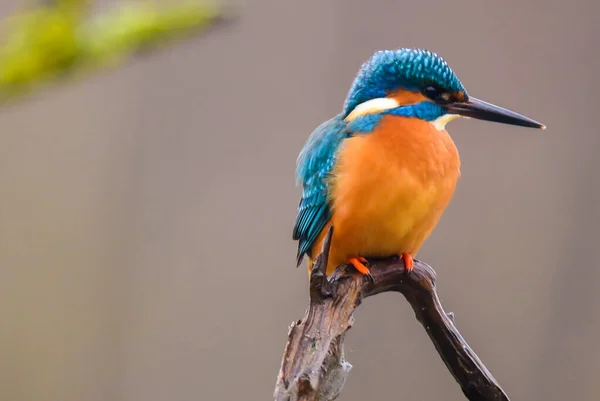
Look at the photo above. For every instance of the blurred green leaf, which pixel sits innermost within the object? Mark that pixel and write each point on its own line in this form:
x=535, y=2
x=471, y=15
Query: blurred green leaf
x=61, y=39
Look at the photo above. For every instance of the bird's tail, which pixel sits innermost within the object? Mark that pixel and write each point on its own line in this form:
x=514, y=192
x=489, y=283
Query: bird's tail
x=299, y=257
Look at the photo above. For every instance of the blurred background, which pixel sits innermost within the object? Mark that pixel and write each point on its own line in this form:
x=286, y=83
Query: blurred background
x=146, y=211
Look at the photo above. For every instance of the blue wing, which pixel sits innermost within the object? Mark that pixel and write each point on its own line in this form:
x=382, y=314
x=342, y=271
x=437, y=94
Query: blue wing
x=315, y=162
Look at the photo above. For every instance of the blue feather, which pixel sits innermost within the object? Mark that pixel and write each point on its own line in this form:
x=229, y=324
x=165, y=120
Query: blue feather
x=314, y=165
x=427, y=111
x=365, y=124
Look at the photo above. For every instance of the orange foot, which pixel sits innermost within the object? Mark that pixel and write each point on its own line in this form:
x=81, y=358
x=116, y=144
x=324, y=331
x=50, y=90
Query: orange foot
x=360, y=264
x=409, y=264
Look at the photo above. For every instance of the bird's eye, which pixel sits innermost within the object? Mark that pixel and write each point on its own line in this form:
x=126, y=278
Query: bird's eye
x=437, y=95
x=431, y=92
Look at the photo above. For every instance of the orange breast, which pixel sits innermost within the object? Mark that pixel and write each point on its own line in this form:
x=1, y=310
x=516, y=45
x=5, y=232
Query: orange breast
x=389, y=189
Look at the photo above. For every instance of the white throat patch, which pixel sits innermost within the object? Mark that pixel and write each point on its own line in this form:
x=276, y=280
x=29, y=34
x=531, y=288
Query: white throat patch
x=440, y=122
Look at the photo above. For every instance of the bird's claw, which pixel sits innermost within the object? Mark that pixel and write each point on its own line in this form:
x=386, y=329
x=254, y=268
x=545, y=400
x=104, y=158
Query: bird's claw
x=409, y=263
x=361, y=264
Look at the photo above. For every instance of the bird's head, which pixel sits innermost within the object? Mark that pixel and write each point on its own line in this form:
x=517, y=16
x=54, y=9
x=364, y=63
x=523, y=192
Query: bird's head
x=419, y=83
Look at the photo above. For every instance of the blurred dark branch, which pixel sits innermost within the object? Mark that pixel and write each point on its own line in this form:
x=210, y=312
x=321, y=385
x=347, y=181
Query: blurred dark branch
x=63, y=38
x=313, y=366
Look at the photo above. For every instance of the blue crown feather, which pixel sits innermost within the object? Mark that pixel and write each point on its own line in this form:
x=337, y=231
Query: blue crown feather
x=411, y=69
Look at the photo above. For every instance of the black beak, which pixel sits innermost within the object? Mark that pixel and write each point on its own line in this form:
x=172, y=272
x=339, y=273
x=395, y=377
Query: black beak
x=481, y=110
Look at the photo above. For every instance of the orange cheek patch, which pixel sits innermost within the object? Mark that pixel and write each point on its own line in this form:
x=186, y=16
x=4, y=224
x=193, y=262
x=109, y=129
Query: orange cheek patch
x=405, y=98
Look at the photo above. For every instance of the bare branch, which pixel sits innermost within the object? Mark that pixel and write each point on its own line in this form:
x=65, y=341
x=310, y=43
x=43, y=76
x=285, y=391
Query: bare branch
x=313, y=366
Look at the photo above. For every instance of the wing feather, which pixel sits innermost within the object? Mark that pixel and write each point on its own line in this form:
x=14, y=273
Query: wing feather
x=315, y=163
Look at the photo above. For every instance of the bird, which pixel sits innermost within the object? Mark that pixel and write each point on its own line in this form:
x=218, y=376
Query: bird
x=384, y=169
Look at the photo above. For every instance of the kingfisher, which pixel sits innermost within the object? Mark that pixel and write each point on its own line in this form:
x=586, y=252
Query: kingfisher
x=383, y=170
